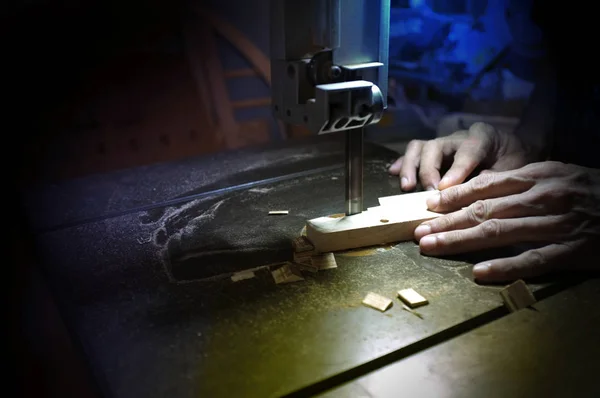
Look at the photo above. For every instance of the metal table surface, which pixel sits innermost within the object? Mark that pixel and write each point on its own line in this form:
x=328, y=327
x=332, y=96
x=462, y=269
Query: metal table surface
x=550, y=351
x=140, y=263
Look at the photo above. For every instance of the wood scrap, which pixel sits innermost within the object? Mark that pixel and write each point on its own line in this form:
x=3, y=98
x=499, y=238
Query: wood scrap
x=517, y=296
x=324, y=261
x=302, y=244
x=394, y=221
x=286, y=274
x=242, y=275
x=377, y=302
x=408, y=309
x=303, y=251
x=306, y=267
x=304, y=257
x=411, y=298
x=279, y=212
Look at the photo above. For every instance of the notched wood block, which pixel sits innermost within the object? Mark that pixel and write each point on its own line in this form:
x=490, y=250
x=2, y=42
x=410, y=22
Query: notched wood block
x=377, y=302
x=301, y=244
x=324, y=261
x=517, y=296
x=286, y=274
x=411, y=298
x=394, y=221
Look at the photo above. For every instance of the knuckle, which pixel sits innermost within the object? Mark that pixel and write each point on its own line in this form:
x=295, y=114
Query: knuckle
x=568, y=226
x=431, y=145
x=544, y=196
x=458, y=134
x=491, y=228
x=552, y=199
x=482, y=182
x=424, y=174
x=580, y=177
x=535, y=258
x=479, y=211
x=448, y=196
x=482, y=128
x=535, y=170
x=414, y=144
x=509, y=270
x=444, y=223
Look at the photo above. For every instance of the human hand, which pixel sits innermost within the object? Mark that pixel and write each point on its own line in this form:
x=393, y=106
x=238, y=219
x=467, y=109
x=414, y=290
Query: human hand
x=553, y=204
x=482, y=146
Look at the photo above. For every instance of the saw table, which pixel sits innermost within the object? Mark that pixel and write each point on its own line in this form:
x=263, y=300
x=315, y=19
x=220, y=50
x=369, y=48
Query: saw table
x=140, y=263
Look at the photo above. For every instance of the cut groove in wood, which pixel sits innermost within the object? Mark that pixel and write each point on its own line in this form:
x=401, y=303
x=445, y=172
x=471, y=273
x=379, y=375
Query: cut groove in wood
x=394, y=221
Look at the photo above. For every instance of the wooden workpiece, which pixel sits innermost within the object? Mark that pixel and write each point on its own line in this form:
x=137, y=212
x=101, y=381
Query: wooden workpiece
x=395, y=220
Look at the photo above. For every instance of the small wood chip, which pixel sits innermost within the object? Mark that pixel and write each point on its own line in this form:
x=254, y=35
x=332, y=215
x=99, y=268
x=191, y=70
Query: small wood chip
x=286, y=274
x=415, y=313
x=517, y=296
x=412, y=298
x=279, y=212
x=242, y=275
x=324, y=261
x=306, y=267
x=303, y=257
x=301, y=244
x=377, y=302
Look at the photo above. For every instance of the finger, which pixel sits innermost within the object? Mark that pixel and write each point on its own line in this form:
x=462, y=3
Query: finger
x=493, y=234
x=526, y=265
x=395, y=167
x=509, y=162
x=431, y=162
x=469, y=155
x=514, y=206
x=410, y=163
x=485, y=186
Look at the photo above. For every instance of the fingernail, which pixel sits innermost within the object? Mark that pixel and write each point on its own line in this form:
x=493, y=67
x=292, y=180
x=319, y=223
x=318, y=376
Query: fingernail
x=428, y=243
x=403, y=182
x=430, y=188
x=422, y=230
x=481, y=271
x=444, y=181
x=433, y=201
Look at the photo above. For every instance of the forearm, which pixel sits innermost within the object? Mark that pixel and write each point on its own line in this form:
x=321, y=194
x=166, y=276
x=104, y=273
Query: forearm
x=537, y=121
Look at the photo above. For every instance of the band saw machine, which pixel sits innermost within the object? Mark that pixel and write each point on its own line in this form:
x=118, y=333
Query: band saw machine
x=329, y=72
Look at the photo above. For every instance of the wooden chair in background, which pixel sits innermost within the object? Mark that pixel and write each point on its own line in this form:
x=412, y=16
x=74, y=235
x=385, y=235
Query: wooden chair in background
x=154, y=107
x=211, y=81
